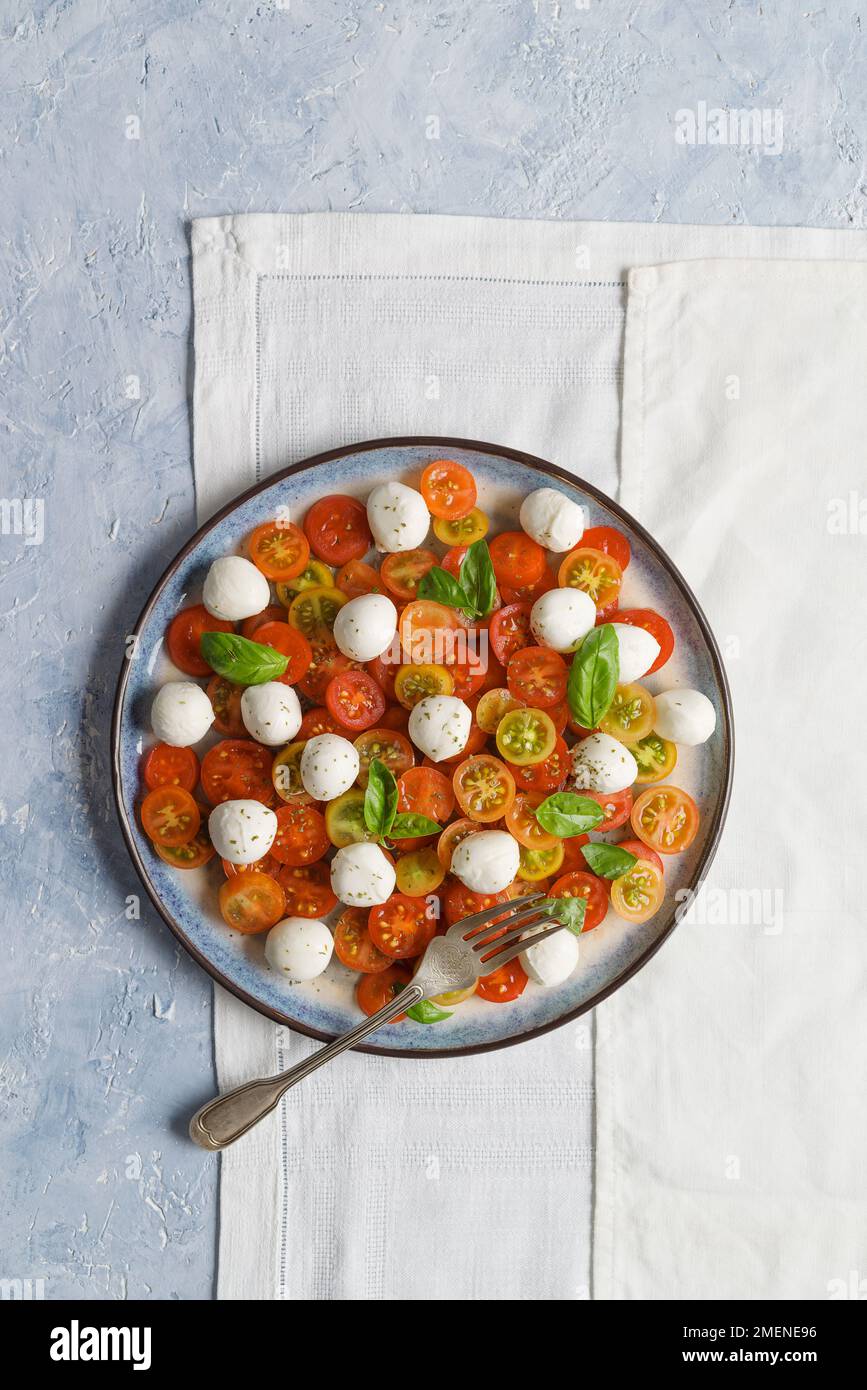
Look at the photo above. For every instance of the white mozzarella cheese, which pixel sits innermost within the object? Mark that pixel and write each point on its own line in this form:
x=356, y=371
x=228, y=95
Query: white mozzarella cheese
x=638, y=650
x=562, y=618
x=235, y=589
x=398, y=517
x=684, y=716
x=553, y=519
x=553, y=961
x=329, y=766
x=361, y=876
x=242, y=831
x=299, y=948
x=181, y=713
x=440, y=726
x=271, y=713
x=365, y=626
x=486, y=862
x=601, y=763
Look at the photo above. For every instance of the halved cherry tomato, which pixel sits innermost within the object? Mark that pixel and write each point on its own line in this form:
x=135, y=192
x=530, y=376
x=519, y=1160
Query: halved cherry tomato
x=390, y=746
x=265, y=865
x=235, y=769
x=559, y=716
x=292, y=644
x=274, y=613
x=656, y=758
x=641, y=851
x=403, y=571
x=314, y=576
x=630, y=715
x=537, y=865
x=327, y=663
x=307, y=888
x=546, y=776
x=510, y=630
x=452, y=837
x=666, y=819
x=461, y=902
x=587, y=886
x=425, y=792
x=526, y=737
x=453, y=559
x=384, y=671
x=427, y=633
x=414, y=683
x=167, y=766
x=610, y=541
x=251, y=902
x=313, y=612
x=344, y=819
x=170, y=816
x=225, y=698
x=184, y=634
x=301, y=836
x=337, y=529
x=353, y=946
x=572, y=857
x=595, y=573
x=318, y=720
x=448, y=488
x=656, y=626
x=279, y=549
x=484, y=787
x=355, y=700
x=401, y=927
x=503, y=985
x=396, y=717
x=522, y=824
x=637, y=895
x=462, y=531
x=469, y=674
x=537, y=677
x=528, y=593
x=616, y=807
x=193, y=854
x=356, y=578
x=419, y=872
x=286, y=774
x=373, y=992
x=517, y=559
x=493, y=706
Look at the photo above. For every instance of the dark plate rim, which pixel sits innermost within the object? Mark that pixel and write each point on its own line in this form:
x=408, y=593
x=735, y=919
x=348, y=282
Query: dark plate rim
x=539, y=465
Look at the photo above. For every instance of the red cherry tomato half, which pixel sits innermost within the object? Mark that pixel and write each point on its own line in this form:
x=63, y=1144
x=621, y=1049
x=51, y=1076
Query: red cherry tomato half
x=337, y=529
x=616, y=806
x=356, y=578
x=657, y=627
x=403, y=572
x=236, y=769
x=373, y=992
x=170, y=816
x=425, y=792
x=609, y=541
x=355, y=700
x=461, y=902
x=517, y=559
x=583, y=884
x=389, y=746
x=165, y=766
x=318, y=720
x=402, y=927
x=546, y=776
x=642, y=851
x=538, y=677
x=327, y=663
x=449, y=489
x=301, y=836
x=225, y=698
x=274, y=613
x=290, y=643
x=510, y=631
x=504, y=984
x=184, y=634
x=307, y=888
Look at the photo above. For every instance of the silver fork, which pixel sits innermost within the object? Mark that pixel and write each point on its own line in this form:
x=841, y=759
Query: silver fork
x=470, y=949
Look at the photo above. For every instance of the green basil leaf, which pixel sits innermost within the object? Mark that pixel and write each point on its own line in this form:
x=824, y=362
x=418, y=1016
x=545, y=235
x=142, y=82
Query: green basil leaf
x=593, y=676
x=442, y=587
x=240, y=660
x=426, y=1012
x=608, y=861
x=567, y=813
x=380, y=799
x=569, y=911
x=406, y=825
x=478, y=580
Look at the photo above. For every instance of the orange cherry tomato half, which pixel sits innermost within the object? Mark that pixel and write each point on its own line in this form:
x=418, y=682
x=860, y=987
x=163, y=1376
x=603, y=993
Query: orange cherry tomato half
x=448, y=488
x=403, y=572
x=251, y=902
x=428, y=631
x=522, y=824
x=425, y=792
x=290, y=643
x=166, y=766
x=353, y=945
x=337, y=529
x=355, y=700
x=402, y=927
x=637, y=895
x=610, y=541
x=657, y=627
x=274, y=613
x=356, y=577
x=265, y=865
x=528, y=593
x=546, y=776
x=666, y=819
x=235, y=769
x=225, y=698
x=510, y=630
x=461, y=902
x=616, y=807
x=193, y=854
x=170, y=816
x=279, y=549
x=373, y=992
x=504, y=984
x=492, y=707
x=390, y=746
x=301, y=837
x=184, y=634
x=583, y=884
x=484, y=787
x=537, y=677
x=452, y=837
x=517, y=559
x=318, y=720
x=595, y=573
x=327, y=663
x=307, y=889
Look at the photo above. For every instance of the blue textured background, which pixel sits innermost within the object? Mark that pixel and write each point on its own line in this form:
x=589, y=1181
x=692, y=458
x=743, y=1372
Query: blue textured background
x=545, y=110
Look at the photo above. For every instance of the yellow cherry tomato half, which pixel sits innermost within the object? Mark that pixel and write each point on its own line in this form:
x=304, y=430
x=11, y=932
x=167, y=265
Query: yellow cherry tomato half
x=314, y=610
x=286, y=774
x=484, y=788
x=344, y=819
x=631, y=714
x=638, y=894
x=665, y=819
x=463, y=530
x=493, y=705
x=656, y=758
x=454, y=996
x=526, y=736
x=315, y=575
x=414, y=683
x=537, y=864
x=419, y=872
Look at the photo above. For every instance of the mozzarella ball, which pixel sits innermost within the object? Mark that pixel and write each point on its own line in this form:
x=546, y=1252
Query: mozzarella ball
x=364, y=627
x=601, y=764
x=329, y=766
x=271, y=712
x=638, y=651
x=361, y=876
x=242, y=831
x=299, y=948
x=181, y=714
x=486, y=862
x=552, y=961
x=440, y=725
x=684, y=716
x=235, y=589
x=553, y=519
x=397, y=516
x=562, y=618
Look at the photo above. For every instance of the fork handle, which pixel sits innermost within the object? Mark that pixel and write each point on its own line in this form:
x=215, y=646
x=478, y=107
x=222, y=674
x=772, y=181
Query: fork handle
x=223, y=1120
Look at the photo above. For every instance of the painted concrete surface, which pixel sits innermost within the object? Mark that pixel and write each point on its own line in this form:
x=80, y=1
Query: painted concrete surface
x=120, y=123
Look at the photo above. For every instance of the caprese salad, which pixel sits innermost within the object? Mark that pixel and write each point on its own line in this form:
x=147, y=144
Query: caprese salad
x=409, y=730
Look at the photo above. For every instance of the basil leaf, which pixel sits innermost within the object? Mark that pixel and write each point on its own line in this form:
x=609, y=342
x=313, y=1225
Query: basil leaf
x=442, y=587
x=426, y=1012
x=566, y=813
x=240, y=660
x=380, y=799
x=593, y=676
x=478, y=580
x=406, y=825
x=569, y=911
x=608, y=861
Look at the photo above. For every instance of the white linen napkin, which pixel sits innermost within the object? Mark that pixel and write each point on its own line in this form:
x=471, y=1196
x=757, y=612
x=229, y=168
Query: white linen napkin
x=731, y=1073
x=383, y=1178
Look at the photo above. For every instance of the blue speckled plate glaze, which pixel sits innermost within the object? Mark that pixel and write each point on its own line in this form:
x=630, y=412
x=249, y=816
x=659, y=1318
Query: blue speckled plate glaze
x=325, y=1007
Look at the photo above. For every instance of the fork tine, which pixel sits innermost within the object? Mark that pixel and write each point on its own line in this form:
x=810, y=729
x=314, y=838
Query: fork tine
x=480, y=919
x=520, y=922
x=503, y=957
